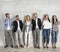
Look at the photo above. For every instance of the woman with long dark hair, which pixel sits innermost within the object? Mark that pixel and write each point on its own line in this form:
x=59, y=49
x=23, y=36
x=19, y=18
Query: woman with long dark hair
x=54, y=30
x=46, y=30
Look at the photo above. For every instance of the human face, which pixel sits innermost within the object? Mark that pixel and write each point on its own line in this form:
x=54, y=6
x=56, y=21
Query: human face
x=8, y=16
x=28, y=18
x=35, y=16
x=17, y=18
x=46, y=17
x=55, y=18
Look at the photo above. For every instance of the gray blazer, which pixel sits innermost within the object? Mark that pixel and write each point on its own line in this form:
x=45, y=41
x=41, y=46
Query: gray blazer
x=25, y=27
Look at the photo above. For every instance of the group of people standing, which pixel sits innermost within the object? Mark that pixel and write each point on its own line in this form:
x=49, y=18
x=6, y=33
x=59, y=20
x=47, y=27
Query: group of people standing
x=13, y=29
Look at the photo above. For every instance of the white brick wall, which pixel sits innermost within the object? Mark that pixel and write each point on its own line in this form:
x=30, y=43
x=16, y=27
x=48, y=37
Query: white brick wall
x=24, y=7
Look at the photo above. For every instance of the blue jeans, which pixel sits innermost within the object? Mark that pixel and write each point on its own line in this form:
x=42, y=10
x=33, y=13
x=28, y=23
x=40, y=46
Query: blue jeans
x=54, y=36
x=46, y=35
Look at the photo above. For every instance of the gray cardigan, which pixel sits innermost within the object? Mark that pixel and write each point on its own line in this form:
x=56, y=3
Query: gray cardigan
x=25, y=27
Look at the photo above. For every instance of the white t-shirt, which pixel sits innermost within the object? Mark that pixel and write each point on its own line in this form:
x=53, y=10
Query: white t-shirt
x=18, y=25
x=47, y=24
x=37, y=23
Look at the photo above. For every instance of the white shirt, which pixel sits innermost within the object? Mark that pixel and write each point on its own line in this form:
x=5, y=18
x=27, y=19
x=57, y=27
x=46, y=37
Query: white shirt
x=37, y=23
x=47, y=24
x=28, y=23
x=18, y=25
x=8, y=27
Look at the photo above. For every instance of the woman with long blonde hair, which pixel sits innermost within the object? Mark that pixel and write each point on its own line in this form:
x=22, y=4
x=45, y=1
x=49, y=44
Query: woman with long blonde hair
x=27, y=30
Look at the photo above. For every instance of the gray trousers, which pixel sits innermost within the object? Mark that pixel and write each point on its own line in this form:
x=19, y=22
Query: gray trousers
x=36, y=37
x=9, y=38
x=18, y=38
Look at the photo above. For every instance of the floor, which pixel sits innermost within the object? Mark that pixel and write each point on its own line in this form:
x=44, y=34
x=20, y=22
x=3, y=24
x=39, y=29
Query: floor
x=28, y=50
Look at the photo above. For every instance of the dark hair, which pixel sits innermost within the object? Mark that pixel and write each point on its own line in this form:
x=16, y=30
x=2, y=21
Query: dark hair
x=17, y=15
x=45, y=17
x=6, y=14
x=53, y=19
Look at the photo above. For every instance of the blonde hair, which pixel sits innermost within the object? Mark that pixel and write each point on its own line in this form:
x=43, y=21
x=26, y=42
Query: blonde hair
x=27, y=17
x=34, y=14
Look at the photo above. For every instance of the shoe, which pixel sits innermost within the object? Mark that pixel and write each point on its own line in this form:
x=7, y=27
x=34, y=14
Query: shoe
x=5, y=46
x=47, y=46
x=11, y=46
x=24, y=46
x=21, y=46
x=28, y=46
x=44, y=47
x=35, y=46
x=38, y=47
x=54, y=47
x=16, y=46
